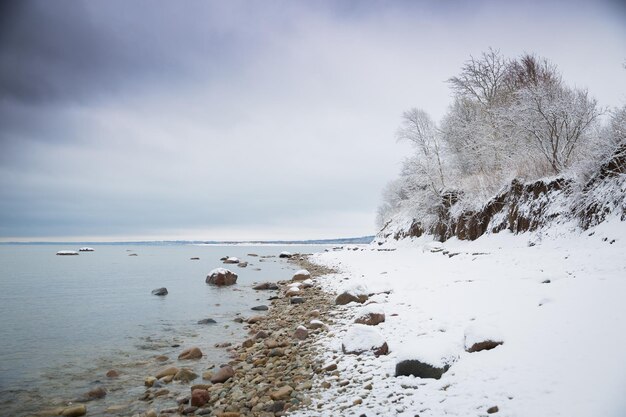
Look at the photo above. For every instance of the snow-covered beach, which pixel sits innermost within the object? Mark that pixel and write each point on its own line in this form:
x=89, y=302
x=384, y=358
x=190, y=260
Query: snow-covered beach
x=553, y=298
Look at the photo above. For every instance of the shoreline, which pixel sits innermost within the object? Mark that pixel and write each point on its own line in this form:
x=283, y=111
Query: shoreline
x=273, y=368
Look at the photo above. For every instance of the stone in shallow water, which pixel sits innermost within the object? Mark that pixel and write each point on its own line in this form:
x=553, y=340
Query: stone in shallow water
x=260, y=308
x=265, y=286
x=112, y=374
x=170, y=370
x=199, y=397
x=159, y=291
x=207, y=321
x=185, y=375
x=221, y=277
x=191, y=353
x=74, y=411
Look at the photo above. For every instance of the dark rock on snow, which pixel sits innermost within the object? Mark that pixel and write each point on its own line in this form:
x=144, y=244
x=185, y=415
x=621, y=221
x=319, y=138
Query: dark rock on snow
x=419, y=369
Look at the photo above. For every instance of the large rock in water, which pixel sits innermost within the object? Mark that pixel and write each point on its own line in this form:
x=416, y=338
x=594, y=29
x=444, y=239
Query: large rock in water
x=265, y=286
x=361, y=339
x=419, y=369
x=159, y=291
x=191, y=353
x=221, y=277
x=199, y=397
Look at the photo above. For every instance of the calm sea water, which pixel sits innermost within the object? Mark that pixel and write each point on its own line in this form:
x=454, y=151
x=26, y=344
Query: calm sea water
x=66, y=320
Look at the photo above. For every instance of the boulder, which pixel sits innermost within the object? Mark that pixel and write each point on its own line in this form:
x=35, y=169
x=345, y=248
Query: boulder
x=265, y=286
x=86, y=249
x=96, y=393
x=185, y=375
x=223, y=374
x=347, y=297
x=484, y=345
x=242, y=264
x=169, y=370
x=159, y=291
x=74, y=411
x=316, y=324
x=231, y=260
x=364, y=339
x=191, y=353
x=112, y=374
x=285, y=255
x=199, y=397
x=207, y=321
x=479, y=337
x=301, y=333
x=254, y=319
x=370, y=318
x=301, y=275
x=260, y=308
x=221, y=277
x=281, y=393
x=420, y=369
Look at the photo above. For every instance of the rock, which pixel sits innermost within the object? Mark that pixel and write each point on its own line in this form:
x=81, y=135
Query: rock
x=184, y=399
x=207, y=375
x=492, y=410
x=229, y=414
x=484, y=345
x=316, y=324
x=296, y=300
x=361, y=338
x=74, y=411
x=419, y=369
x=185, y=375
x=254, y=255
x=189, y=410
x=301, y=333
x=261, y=335
x=292, y=291
x=170, y=370
x=282, y=393
x=346, y=297
x=223, y=374
x=150, y=413
x=260, y=308
x=112, y=374
x=159, y=291
x=86, y=249
x=247, y=343
x=301, y=275
x=482, y=336
x=207, y=321
x=314, y=313
x=285, y=255
x=254, y=319
x=199, y=397
x=149, y=381
x=371, y=319
x=231, y=260
x=161, y=358
x=191, y=353
x=67, y=252
x=221, y=277
x=265, y=286
x=275, y=407
x=96, y=393
x=242, y=264
x=195, y=258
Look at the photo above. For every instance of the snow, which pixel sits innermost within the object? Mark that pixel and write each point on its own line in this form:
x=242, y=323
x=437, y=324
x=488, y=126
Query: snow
x=564, y=341
x=220, y=271
x=362, y=338
x=303, y=272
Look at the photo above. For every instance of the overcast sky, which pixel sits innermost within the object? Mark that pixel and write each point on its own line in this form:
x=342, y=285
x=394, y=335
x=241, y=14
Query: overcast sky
x=246, y=120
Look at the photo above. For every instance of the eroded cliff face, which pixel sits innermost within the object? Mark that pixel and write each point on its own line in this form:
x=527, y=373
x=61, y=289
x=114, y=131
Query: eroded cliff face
x=523, y=207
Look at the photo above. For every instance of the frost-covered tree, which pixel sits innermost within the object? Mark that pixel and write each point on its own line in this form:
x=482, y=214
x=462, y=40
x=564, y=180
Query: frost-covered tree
x=556, y=119
x=419, y=129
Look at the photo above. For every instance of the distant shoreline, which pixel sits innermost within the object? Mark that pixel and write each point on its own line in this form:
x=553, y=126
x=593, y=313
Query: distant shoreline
x=339, y=241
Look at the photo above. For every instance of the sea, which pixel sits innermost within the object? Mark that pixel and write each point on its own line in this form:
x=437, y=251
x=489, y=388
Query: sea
x=67, y=320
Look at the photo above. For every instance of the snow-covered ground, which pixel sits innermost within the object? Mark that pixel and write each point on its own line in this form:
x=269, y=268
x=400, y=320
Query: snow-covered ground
x=564, y=350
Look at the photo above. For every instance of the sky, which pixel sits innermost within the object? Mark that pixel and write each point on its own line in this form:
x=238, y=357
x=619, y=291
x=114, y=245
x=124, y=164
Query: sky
x=235, y=120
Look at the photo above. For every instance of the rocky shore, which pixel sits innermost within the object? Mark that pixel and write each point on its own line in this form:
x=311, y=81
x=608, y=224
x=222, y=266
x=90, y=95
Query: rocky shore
x=271, y=373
